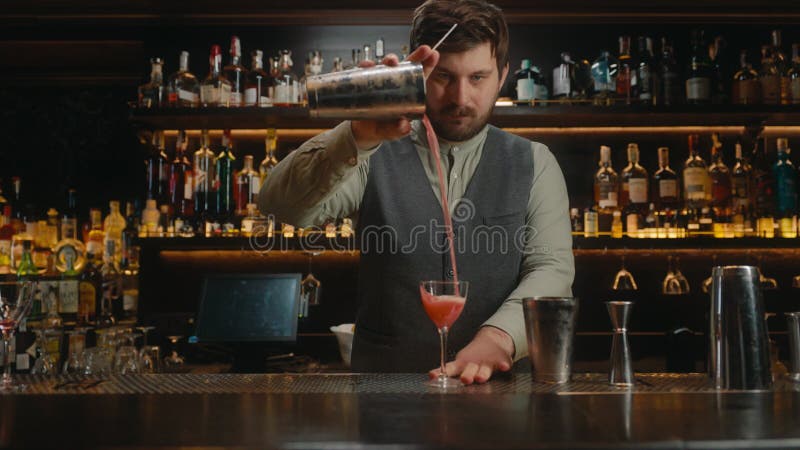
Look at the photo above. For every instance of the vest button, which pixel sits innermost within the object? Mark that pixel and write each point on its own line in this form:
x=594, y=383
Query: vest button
x=450, y=273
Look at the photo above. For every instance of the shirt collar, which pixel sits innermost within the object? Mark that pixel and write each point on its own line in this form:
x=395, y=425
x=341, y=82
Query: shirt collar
x=419, y=137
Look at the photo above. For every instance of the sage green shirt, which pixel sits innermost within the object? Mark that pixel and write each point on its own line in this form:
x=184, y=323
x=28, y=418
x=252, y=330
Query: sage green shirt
x=325, y=178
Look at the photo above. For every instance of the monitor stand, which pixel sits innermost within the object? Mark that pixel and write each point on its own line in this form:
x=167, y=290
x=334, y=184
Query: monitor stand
x=251, y=357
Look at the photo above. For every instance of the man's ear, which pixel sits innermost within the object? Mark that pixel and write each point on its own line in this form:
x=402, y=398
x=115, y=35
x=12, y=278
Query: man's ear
x=503, y=76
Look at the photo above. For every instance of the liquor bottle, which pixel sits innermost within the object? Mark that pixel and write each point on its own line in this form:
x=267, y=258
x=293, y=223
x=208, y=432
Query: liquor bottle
x=706, y=221
x=247, y=186
x=720, y=81
x=69, y=219
x=166, y=227
x=26, y=269
x=258, y=88
x=156, y=172
x=183, y=89
x=380, y=50
x=94, y=243
x=151, y=94
x=764, y=191
x=781, y=63
x=129, y=235
x=313, y=68
x=204, y=176
x=286, y=84
x=270, y=160
x=525, y=81
x=606, y=182
x=130, y=287
x=746, y=86
x=338, y=65
x=698, y=74
x=695, y=176
x=564, y=77
x=647, y=76
x=42, y=250
x=590, y=222
x=181, y=180
x=665, y=182
x=770, y=78
x=670, y=87
x=215, y=90
x=235, y=73
x=793, y=74
x=604, y=74
x=112, y=287
x=720, y=177
x=90, y=284
x=651, y=222
x=626, y=73
x=634, y=181
x=17, y=206
x=634, y=220
x=223, y=168
x=740, y=182
x=616, y=225
x=785, y=175
x=150, y=219
x=576, y=221
x=113, y=225
x=6, y=234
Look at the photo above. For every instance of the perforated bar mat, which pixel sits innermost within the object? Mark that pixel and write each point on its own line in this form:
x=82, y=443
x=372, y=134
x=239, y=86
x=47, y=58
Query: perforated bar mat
x=357, y=384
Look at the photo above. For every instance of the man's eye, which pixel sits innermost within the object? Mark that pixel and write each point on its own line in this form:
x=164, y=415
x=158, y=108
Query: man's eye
x=442, y=76
x=477, y=77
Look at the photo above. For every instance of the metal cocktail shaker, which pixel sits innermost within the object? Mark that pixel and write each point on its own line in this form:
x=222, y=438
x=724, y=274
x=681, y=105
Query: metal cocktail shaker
x=378, y=92
x=739, y=345
x=550, y=328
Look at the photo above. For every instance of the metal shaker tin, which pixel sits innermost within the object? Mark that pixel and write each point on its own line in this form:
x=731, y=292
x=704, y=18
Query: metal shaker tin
x=379, y=92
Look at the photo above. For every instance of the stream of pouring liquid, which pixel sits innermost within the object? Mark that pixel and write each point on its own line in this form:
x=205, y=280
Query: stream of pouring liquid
x=433, y=143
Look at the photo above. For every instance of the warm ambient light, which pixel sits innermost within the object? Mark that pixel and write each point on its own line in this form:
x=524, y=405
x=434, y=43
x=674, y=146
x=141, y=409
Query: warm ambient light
x=305, y=133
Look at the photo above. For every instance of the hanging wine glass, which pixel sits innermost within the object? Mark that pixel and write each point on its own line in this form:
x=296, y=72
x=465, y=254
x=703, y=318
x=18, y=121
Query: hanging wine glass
x=673, y=284
x=310, y=287
x=767, y=283
x=706, y=286
x=624, y=281
x=684, y=283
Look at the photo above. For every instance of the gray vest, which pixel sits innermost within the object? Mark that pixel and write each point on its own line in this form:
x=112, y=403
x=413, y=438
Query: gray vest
x=403, y=242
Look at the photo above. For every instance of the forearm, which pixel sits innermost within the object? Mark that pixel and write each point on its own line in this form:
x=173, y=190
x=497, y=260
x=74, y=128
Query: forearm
x=302, y=189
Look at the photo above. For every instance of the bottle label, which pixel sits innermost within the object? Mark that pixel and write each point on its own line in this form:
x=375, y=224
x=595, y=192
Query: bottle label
x=787, y=194
x=236, y=99
x=251, y=96
x=590, y=224
x=540, y=92
x=130, y=300
x=247, y=225
x=632, y=223
x=255, y=186
x=694, y=183
x=561, y=80
x=637, y=190
x=746, y=92
x=188, y=185
x=645, y=83
x=671, y=85
x=188, y=96
x=770, y=89
x=526, y=89
x=794, y=89
x=284, y=93
x=607, y=195
x=698, y=88
x=5, y=252
x=87, y=299
x=667, y=188
x=69, y=296
x=209, y=94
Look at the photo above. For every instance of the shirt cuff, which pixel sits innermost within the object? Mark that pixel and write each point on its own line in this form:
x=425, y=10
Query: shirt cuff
x=341, y=147
x=510, y=319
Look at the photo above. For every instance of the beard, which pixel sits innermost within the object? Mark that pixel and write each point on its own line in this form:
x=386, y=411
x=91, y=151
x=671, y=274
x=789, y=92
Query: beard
x=457, y=124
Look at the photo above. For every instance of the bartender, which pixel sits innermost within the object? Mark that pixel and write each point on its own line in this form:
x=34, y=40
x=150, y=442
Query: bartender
x=507, y=196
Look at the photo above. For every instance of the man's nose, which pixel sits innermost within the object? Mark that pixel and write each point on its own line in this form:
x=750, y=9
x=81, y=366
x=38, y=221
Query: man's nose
x=459, y=92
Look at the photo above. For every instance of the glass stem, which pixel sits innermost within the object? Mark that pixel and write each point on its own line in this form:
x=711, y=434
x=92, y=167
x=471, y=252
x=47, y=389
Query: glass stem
x=443, y=354
x=7, y=360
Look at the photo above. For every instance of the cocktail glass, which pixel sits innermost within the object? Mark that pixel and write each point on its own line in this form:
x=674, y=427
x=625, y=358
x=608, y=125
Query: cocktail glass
x=443, y=302
x=16, y=299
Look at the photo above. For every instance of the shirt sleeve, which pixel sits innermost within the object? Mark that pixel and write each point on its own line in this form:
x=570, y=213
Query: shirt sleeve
x=548, y=265
x=323, y=179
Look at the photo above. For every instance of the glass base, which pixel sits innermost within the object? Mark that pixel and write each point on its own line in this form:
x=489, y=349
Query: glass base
x=445, y=383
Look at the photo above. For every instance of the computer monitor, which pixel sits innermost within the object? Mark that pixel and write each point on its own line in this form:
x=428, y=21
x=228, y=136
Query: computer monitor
x=253, y=313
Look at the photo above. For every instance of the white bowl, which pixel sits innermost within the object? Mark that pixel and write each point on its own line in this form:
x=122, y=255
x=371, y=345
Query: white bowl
x=344, y=334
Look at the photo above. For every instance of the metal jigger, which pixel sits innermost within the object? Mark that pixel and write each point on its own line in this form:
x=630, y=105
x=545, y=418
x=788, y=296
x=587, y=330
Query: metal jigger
x=621, y=370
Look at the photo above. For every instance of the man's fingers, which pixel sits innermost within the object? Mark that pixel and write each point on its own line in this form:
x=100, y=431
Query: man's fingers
x=366, y=63
x=390, y=60
x=427, y=56
x=484, y=373
x=503, y=366
x=468, y=374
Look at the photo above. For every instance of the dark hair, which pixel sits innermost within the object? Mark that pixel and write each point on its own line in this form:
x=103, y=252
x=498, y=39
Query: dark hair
x=478, y=21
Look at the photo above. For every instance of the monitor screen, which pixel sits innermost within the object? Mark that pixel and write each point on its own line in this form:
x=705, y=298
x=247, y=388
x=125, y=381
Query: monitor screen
x=249, y=308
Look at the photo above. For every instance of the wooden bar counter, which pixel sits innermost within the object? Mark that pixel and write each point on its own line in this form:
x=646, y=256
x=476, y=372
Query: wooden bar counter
x=337, y=411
